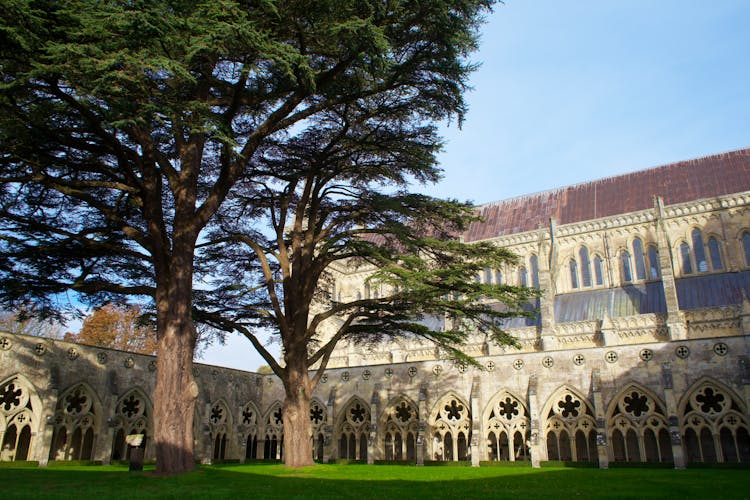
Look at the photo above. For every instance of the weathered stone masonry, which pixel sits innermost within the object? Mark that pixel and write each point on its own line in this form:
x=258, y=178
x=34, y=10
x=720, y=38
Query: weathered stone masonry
x=640, y=351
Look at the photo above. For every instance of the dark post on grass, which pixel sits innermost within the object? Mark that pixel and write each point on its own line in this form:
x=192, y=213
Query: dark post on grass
x=134, y=442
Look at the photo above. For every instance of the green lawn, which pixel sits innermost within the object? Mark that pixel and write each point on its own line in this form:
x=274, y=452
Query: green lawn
x=383, y=482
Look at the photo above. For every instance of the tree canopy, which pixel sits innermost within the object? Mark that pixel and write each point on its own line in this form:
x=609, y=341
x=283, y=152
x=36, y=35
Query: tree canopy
x=117, y=327
x=125, y=125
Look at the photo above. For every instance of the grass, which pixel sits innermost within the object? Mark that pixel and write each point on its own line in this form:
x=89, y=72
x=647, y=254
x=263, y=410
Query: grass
x=381, y=482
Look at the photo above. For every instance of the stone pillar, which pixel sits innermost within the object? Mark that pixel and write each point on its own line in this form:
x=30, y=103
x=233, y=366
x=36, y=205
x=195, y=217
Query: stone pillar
x=609, y=333
x=372, y=441
x=547, y=272
x=103, y=446
x=43, y=444
x=329, y=449
x=602, y=448
x=422, y=427
x=678, y=452
x=675, y=322
x=534, y=448
x=204, y=443
x=476, y=419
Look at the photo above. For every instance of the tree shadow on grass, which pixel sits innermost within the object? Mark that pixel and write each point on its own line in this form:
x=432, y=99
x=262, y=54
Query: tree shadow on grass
x=371, y=482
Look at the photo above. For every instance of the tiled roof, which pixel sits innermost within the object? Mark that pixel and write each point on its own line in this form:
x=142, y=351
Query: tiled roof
x=680, y=182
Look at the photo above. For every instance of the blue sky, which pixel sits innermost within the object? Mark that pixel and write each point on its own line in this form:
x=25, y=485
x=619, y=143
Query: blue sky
x=574, y=91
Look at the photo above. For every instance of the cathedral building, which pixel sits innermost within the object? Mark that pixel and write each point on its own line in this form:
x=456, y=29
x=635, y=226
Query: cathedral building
x=639, y=351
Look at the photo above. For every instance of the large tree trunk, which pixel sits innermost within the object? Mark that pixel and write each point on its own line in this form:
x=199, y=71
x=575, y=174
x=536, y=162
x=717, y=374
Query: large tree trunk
x=174, y=400
x=176, y=391
x=296, y=416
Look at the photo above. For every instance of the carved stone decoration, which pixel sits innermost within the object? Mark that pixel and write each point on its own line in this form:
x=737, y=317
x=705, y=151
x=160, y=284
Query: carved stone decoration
x=721, y=349
x=682, y=351
x=102, y=357
x=437, y=370
x=611, y=357
x=5, y=343
x=579, y=360
x=129, y=362
x=548, y=362
x=345, y=376
x=601, y=439
x=196, y=372
x=412, y=371
x=389, y=372
x=324, y=378
x=646, y=354
x=462, y=367
x=152, y=365
x=366, y=374
x=40, y=349
x=73, y=354
x=490, y=365
x=518, y=364
x=675, y=437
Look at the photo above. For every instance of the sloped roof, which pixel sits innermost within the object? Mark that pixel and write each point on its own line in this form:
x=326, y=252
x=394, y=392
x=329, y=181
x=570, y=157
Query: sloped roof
x=679, y=182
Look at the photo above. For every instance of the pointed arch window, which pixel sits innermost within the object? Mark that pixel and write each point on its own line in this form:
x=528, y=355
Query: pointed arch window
x=640, y=264
x=583, y=253
x=534, y=264
x=523, y=278
x=573, y=274
x=746, y=246
x=700, y=252
x=625, y=269
x=498, y=277
x=653, y=262
x=687, y=267
x=598, y=270
x=714, y=251
x=488, y=276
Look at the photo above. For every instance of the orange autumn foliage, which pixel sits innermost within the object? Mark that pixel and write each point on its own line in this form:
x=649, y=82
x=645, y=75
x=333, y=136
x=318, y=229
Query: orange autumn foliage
x=117, y=327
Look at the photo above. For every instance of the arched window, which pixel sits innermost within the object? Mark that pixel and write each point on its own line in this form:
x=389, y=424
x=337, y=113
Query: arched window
x=598, y=271
x=715, y=253
x=585, y=266
x=523, y=278
x=687, y=267
x=640, y=264
x=700, y=252
x=746, y=245
x=625, y=270
x=653, y=262
x=573, y=274
x=488, y=276
x=534, y=264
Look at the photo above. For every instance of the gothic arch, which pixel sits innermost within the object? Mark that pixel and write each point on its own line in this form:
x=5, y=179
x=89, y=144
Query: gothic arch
x=450, y=428
x=569, y=424
x=247, y=423
x=318, y=419
x=76, y=421
x=273, y=432
x=506, y=425
x=399, y=422
x=133, y=415
x=220, y=425
x=714, y=423
x=20, y=418
x=353, y=429
x=638, y=426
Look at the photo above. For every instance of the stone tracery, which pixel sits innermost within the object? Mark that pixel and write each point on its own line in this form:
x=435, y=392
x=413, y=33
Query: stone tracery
x=570, y=427
x=507, y=428
x=450, y=427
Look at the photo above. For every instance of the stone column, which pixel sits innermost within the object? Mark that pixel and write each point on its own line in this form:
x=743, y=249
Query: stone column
x=103, y=447
x=476, y=425
x=678, y=452
x=602, y=448
x=422, y=428
x=547, y=272
x=372, y=441
x=534, y=448
x=42, y=446
x=675, y=322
